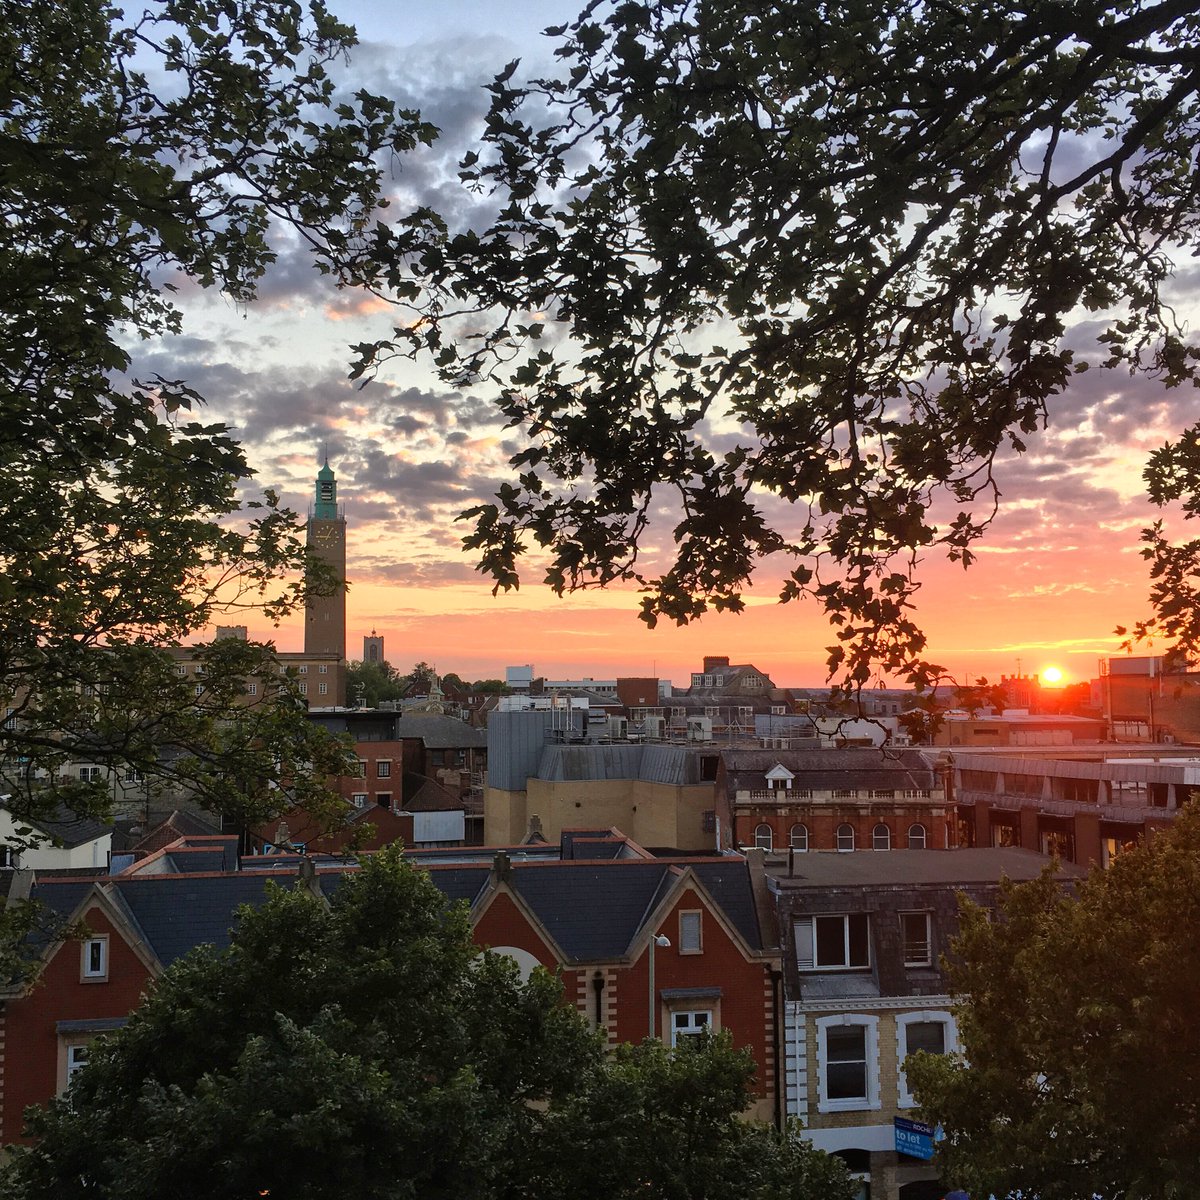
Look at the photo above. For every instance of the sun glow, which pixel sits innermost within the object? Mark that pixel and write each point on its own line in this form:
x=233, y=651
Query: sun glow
x=1052, y=676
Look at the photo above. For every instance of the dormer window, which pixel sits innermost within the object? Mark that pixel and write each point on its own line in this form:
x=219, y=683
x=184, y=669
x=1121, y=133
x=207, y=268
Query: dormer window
x=779, y=778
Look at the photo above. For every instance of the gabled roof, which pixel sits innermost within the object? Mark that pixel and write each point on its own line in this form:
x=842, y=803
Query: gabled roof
x=422, y=794
x=173, y=912
x=175, y=825
x=589, y=909
x=601, y=910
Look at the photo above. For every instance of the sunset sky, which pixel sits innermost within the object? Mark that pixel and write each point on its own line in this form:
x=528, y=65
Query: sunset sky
x=1059, y=570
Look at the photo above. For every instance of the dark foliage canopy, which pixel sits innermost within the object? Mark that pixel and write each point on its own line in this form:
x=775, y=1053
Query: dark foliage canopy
x=791, y=277
x=1078, y=1025
x=364, y=1047
x=139, y=153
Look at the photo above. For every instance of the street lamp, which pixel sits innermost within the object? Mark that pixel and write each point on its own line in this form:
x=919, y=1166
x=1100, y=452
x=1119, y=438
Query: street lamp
x=659, y=939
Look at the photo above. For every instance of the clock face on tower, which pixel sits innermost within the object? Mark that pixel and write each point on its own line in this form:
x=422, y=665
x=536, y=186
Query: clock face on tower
x=326, y=535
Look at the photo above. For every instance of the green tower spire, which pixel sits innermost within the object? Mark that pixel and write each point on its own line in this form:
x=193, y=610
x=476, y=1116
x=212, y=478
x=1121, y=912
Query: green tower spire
x=325, y=508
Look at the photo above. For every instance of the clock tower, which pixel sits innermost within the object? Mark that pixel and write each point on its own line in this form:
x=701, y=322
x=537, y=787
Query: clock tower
x=325, y=616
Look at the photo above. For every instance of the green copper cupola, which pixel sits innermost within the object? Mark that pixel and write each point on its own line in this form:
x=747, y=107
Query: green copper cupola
x=325, y=507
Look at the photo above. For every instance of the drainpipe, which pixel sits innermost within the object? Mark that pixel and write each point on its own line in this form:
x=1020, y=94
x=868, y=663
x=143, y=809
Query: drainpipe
x=780, y=1048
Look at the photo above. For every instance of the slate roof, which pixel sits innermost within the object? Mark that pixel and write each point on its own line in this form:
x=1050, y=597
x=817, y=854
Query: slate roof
x=729, y=885
x=422, y=794
x=597, y=843
x=825, y=770
x=173, y=912
x=593, y=910
x=461, y=883
x=598, y=912
x=175, y=825
x=184, y=861
x=657, y=763
x=441, y=733
x=65, y=827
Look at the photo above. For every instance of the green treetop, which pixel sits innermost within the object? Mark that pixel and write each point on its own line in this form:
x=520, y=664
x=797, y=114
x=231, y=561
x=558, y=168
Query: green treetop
x=363, y=1046
x=1077, y=1016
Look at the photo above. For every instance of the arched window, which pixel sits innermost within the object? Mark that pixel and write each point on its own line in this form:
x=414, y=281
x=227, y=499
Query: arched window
x=916, y=836
x=881, y=837
x=798, y=837
x=845, y=837
x=764, y=839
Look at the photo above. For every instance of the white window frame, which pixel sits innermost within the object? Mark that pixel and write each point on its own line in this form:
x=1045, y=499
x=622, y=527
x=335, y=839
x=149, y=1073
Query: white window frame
x=886, y=837
x=359, y=799
x=903, y=1021
x=798, y=838
x=323, y=689
x=97, y=973
x=699, y=1020
x=383, y=768
x=302, y=669
x=808, y=962
x=89, y=774
x=75, y=1060
x=924, y=841
x=840, y=838
x=869, y=1101
x=764, y=837
x=252, y=689
x=927, y=961
x=323, y=669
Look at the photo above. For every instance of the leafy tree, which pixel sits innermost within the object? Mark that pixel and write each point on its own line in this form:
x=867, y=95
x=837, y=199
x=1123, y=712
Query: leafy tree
x=1077, y=1018
x=368, y=683
x=420, y=679
x=797, y=274
x=666, y=1123
x=454, y=685
x=980, y=694
x=365, y=1047
x=922, y=722
x=177, y=143
x=490, y=687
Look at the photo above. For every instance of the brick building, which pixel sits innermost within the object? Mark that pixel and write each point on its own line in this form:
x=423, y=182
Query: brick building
x=853, y=799
x=590, y=907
